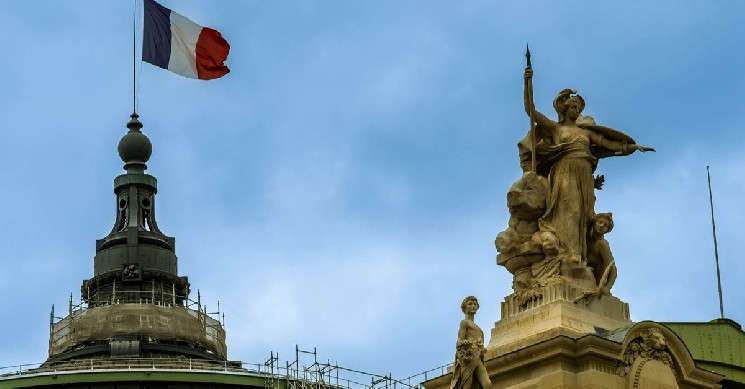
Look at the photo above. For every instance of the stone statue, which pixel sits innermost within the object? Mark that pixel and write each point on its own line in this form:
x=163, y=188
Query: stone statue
x=552, y=206
x=599, y=257
x=468, y=370
x=571, y=147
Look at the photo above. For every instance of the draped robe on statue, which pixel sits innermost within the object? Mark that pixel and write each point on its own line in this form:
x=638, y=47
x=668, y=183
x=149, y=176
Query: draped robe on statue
x=568, y=157
x=571, y=199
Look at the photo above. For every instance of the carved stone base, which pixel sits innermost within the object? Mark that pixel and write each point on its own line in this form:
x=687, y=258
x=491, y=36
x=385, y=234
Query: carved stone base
x=559, y=317
x=557, y=308
x=564, y=290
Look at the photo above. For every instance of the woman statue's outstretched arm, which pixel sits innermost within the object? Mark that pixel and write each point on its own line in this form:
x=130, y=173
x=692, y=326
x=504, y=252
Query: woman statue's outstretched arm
x=621, y=148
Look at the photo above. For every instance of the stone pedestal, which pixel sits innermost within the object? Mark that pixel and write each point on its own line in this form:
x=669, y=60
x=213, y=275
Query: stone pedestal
x=555, y=309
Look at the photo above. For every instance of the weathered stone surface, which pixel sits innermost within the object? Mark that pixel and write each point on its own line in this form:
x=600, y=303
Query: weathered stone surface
x=526, y=201
x=527, y=325
x=551, y=235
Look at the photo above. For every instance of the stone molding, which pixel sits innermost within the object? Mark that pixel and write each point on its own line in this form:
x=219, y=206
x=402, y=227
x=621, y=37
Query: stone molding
x=515, y=303
x=557, y=317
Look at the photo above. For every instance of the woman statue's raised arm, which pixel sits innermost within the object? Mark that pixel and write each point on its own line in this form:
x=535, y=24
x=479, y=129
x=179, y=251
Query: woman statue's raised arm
x=540, y=119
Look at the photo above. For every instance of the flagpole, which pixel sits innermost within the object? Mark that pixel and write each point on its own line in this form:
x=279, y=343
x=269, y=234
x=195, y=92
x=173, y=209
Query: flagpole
x=134, y=61
x=716, y=250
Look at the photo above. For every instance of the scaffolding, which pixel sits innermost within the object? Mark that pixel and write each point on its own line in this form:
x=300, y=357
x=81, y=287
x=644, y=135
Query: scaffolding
x=270, y=382
x=146, y=292
x=195, y=322
x=304, y=372
x=167, y=298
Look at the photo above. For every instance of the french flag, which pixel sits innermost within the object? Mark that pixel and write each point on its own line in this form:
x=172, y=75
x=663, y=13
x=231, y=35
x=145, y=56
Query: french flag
x=174, y=42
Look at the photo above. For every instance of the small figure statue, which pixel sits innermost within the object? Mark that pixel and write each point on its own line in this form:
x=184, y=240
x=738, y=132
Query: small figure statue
x=599, y=256
x=469, y=371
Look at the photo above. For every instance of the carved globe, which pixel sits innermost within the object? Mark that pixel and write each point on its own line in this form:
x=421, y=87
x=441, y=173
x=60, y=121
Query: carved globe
x=135, y=146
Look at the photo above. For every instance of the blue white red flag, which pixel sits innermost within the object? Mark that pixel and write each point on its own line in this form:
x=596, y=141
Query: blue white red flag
x=174, y=42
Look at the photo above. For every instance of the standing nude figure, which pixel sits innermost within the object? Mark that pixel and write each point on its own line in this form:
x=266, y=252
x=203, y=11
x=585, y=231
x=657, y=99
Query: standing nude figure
x=468, y=370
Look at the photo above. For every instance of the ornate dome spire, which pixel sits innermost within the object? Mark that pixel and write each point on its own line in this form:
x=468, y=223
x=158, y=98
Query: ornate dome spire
x=136, y=301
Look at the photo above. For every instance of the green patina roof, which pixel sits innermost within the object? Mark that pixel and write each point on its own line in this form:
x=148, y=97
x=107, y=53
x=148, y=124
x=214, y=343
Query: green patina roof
x=718, y=346
x=74, y=377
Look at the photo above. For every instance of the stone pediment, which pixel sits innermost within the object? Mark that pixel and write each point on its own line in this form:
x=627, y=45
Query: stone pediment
x=653, y=356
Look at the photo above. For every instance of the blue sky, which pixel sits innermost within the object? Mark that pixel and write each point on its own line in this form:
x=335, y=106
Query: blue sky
x=343, y=185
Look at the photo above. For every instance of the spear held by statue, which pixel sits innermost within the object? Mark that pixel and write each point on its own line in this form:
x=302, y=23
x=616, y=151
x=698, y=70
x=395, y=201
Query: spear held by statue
x=531, y=109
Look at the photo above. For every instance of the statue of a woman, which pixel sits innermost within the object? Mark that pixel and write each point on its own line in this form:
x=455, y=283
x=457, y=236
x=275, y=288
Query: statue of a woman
x=468, y=370
x=567, y=151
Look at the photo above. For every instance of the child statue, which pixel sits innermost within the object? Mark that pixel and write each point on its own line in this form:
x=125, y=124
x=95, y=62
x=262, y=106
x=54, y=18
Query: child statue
x=599, y=256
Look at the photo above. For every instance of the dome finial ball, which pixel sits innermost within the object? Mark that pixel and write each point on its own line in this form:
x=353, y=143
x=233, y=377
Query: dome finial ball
x=135, y=146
